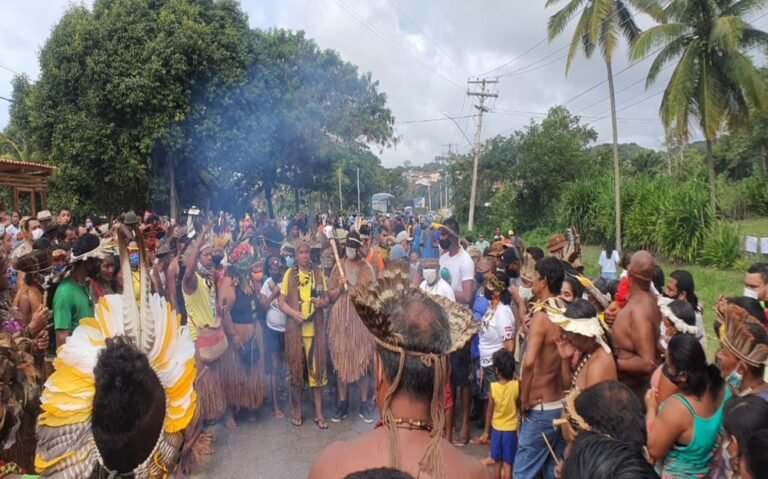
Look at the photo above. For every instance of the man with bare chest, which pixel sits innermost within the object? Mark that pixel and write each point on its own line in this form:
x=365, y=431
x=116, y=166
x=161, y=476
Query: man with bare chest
x=636, y=330
x=541, y=377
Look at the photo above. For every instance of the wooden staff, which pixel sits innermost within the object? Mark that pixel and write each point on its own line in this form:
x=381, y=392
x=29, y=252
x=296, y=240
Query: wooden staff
x=551, y=451
x=338, y=261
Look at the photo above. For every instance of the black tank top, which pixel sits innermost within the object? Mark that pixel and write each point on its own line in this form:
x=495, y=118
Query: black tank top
x=242, y=310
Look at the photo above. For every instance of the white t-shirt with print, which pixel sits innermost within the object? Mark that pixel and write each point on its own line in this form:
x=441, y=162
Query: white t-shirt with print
x=498, y=326
x=440, y=288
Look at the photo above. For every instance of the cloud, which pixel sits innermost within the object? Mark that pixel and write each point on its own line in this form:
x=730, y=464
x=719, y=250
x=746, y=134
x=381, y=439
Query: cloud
x=422, y=53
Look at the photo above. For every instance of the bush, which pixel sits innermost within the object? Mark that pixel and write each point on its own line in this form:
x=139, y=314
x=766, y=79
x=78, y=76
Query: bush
x=537, y=237
x=588, y=205
x=721, y=245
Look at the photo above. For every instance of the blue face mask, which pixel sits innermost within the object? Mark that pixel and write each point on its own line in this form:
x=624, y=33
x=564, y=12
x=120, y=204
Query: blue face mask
x=133, y=258
x=58, y=268
x=289, y=261
x=734, y=380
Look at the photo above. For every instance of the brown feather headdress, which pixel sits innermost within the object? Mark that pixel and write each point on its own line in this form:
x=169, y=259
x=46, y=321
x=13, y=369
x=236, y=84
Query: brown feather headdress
x=737, y=338
x=375, y=303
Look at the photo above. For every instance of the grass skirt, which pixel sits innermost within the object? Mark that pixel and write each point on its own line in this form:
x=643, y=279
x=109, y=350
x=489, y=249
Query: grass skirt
x=244, y=383
x=210, y=390
x=350, y=342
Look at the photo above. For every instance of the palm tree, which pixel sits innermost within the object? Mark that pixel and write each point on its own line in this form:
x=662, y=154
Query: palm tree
x=600, y=24
x=714, y=82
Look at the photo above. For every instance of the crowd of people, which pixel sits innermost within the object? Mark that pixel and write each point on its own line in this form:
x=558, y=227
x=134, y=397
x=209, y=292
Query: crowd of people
x=122, y=340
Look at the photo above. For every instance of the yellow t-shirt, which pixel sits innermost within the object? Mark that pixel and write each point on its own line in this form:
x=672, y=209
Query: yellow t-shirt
x=201, y=306
x=505, y=405
x=306, y=282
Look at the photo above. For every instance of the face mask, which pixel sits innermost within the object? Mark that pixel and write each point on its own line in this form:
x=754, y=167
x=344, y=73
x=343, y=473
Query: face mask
x=289, y=261
x=430, y=276
x=479, y=277
x=513, y=273
x=58, y=268
x=351, y=253
x=89, y=225
x=37, y=234
x=750, y=293
x=734, y=379
x=526, y=293
x=488, y=293
x=133, y=258
x=444, y=243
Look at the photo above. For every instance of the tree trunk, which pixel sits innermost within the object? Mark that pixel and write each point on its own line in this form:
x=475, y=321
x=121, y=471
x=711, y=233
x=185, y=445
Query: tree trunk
x=268, y=199
x=172, y=193
x=711, y=168
x=296, y=196
x=616, y=165
x=762, y=158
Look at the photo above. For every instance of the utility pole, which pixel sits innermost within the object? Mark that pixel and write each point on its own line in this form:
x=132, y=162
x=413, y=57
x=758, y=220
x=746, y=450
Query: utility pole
x=482, y=95
x=341, y=203
x=358, y=190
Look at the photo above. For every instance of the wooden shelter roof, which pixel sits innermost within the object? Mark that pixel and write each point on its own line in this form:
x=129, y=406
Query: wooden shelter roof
x=10, y=166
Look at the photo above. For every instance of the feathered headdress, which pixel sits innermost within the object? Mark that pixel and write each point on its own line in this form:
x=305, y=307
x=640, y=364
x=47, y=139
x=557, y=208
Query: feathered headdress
x=374, y=304
x=66, y=446
x=737, y=338
x=603, y=299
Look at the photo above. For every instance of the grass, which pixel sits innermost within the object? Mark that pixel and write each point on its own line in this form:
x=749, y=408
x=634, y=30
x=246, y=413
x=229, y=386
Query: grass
x=754, y=227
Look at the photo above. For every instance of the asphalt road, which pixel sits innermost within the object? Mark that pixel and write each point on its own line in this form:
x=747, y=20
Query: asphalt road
x=262, y=447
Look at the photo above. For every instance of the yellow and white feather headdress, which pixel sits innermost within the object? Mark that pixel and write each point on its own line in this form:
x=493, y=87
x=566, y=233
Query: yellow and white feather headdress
x=66, y=448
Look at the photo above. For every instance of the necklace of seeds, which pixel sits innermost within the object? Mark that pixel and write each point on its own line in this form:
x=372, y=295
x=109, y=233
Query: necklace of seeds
x=579, y=367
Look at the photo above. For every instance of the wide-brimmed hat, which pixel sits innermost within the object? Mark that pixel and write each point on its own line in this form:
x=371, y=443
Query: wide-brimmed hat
x=44, y=215
x=402, y=236
x=556, y=242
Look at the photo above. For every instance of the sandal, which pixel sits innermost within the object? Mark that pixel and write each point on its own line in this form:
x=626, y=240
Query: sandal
x=461, y=442
x=321, y=423
x=297, y=421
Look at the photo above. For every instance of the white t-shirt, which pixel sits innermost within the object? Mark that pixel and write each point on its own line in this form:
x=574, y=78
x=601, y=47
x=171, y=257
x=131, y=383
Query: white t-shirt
x=461, y=267
x=498, y=326
x=440, y=288
x=608, y=265
x=275, y=317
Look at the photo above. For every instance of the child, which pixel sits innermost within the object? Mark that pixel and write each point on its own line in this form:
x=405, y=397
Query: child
x=502, y=412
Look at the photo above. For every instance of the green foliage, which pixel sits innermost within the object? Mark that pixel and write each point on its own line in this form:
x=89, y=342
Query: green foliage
x=721, y=245
x=588, y=205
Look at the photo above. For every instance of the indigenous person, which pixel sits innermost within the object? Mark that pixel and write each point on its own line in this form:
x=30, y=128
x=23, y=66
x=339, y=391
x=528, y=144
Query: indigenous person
x=541, y=376
x=302, y=297
x=571, y=289
x=29, y=291
x=598, y=456
x=457, y=262
x=413, y=335
x=636, y=330
x=106, y=281
x=433, y=283
x=680, y=285
x=127, y=416
x=743, y=351
x=497, y=331
x=683, y=431
x=204, y=321
x=274, y=338
x=371, y=254
x=236, y=299
x=350, y=343
x=71, y=302
x=742, y=417
x=755, y=461
x=582, y=336
x=678, y=317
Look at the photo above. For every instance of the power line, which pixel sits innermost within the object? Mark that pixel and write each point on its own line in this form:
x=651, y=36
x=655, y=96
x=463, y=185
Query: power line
x=394, y=45
x=428, y=120
x=535, y=46
x=6, y=67
x=431, y=40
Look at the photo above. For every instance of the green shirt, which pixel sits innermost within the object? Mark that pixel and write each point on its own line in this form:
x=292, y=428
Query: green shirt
x=70, y=305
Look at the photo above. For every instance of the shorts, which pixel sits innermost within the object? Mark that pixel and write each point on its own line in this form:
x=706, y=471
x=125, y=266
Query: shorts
x=274, y=341
x=461, y=366
x=503, y=446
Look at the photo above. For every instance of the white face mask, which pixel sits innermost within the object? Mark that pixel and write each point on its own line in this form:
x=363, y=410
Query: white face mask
x=750, y=293
x=37, y=234
x=351, y=253
x=526, y=293
x=430, y=276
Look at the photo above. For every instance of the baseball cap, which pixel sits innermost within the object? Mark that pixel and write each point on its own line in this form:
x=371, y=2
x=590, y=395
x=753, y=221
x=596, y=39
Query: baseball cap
x=402, y=236
x=509, y=256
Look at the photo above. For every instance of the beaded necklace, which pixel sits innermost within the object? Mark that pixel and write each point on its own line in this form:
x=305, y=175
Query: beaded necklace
x=578, y=369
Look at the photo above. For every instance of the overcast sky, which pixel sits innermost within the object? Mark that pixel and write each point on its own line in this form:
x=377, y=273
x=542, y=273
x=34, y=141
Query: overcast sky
x=423, y=52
